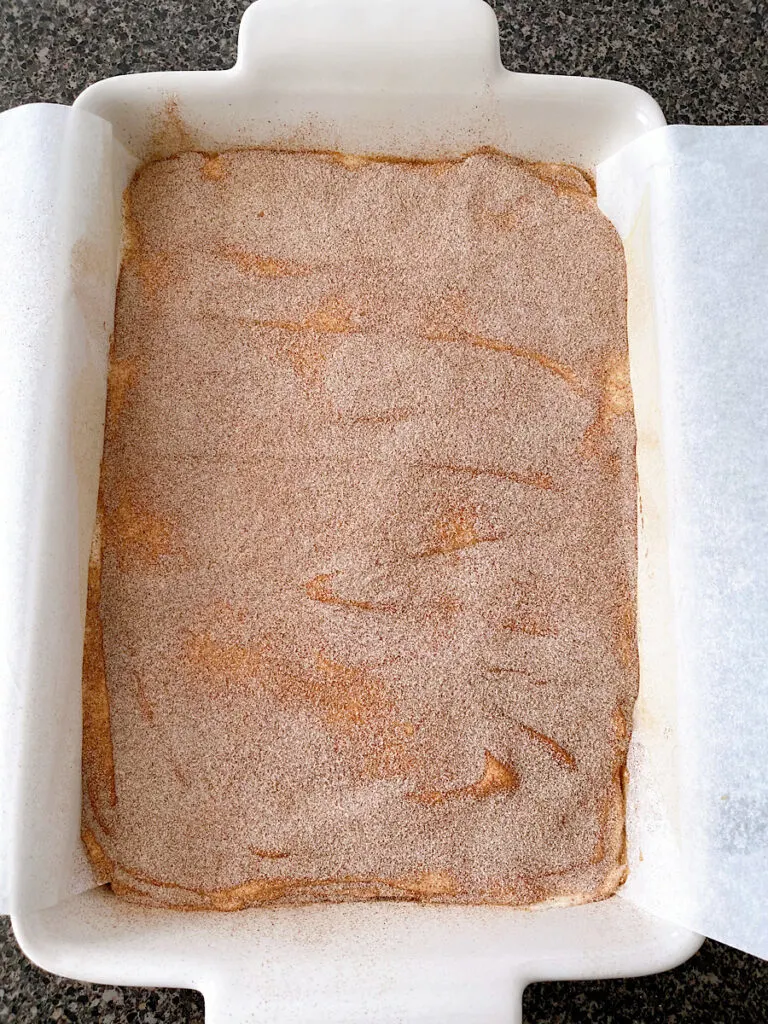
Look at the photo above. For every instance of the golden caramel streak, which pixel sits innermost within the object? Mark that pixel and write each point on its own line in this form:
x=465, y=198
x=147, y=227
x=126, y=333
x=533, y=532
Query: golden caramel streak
x=560, y=370
x=262, y=266
x=388, y=416
x=530, y=627
x=541, y=480
x=497, y=778
x=98, y=754
x=559, y=753
x=320, y=588
x=332, y=317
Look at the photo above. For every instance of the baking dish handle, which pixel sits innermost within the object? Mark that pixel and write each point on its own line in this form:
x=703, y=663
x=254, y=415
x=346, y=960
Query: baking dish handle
x=443, y=45
x=476, y=991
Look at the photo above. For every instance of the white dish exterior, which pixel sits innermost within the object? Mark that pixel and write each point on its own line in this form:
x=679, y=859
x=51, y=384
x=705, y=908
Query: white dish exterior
x=412, y=79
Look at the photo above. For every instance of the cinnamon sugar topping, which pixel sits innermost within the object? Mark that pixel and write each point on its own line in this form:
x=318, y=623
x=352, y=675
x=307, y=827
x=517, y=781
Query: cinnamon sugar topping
x=361, y=613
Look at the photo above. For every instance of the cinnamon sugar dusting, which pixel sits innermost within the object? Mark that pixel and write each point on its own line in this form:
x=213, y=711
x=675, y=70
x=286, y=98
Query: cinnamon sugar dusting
x=360, y=619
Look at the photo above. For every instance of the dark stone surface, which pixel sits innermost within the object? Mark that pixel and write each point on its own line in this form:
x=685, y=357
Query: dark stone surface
x=705, y=61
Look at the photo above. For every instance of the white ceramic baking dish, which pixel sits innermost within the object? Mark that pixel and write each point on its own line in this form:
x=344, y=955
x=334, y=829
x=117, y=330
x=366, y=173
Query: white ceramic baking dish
x=393, y=77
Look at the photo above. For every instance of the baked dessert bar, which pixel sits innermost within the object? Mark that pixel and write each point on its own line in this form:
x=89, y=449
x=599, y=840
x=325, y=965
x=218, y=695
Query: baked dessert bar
x=361, y=605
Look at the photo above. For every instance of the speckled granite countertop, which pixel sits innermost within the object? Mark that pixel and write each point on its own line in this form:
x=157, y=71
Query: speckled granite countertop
x=705, y=61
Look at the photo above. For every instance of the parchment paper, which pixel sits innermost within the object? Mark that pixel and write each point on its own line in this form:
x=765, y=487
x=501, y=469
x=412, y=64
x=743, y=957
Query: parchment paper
x=62, y=178
x=691, y=204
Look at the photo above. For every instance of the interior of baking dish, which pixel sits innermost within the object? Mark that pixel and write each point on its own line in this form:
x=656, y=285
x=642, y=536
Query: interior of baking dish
x=421, y=81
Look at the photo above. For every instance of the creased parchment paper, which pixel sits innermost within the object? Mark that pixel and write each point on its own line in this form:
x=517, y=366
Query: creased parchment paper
x=691, y=204
x=62, y=178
